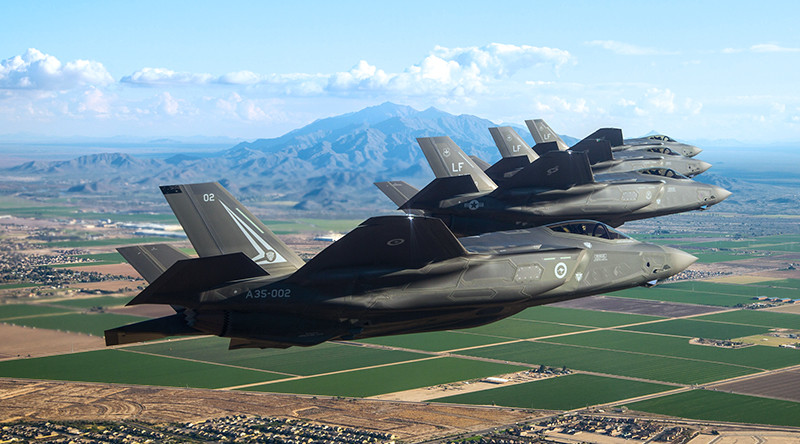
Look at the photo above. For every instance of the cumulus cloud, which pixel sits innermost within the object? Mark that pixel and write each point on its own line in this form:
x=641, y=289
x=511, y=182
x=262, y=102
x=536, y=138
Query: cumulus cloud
x=161, y=76
x=451, y=71
x=36, y=70
x=627, y=48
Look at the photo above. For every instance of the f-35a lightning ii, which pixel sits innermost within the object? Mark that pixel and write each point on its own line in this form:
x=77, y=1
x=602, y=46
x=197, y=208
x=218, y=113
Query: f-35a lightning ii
x=390, y=275
x=623, y=157
x=556, y=186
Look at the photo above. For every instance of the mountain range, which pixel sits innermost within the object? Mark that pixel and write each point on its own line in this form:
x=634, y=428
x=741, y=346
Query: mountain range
x=327, y=167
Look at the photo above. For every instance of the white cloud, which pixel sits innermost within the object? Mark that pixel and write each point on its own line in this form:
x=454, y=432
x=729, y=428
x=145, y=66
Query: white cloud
x=35, y=70
x=168, y=104
x=162, y=76
x=662, y=100
x=95, y=101
x=627, y=48
x=770, y=47
x=445, y=71
x=761, y=48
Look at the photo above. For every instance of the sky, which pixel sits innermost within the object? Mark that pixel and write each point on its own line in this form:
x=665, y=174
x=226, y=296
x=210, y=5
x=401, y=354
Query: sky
x=694, y=70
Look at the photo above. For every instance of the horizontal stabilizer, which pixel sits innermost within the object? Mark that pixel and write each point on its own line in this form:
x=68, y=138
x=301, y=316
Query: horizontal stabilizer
x=542, y=133
x=613, y=135
x=151, y=260
x=438, y=190
x=511, y=144
x=598, y=150
x=182, y=282
x=506, y=167
x=174, y=325
x=393, y=242
x=397, y=190
x=545, y=147
x=555, y=170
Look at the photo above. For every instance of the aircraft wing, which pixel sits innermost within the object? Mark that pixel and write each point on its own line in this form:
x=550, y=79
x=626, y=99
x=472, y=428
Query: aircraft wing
x=396, y=242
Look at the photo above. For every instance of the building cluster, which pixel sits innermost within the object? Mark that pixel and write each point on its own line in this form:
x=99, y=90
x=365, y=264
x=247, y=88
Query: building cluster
x=695, y=275
x=781, y=300
x=238, y=429
x=576, y=428
x=723, y=343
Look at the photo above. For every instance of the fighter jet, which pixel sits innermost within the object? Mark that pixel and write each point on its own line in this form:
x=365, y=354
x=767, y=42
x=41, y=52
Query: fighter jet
x=656, y=142
x=556, y=186
x=631, y=157
x=390, y=275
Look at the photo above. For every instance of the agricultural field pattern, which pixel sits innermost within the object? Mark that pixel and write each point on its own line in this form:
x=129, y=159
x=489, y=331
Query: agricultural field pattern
x=715, y=344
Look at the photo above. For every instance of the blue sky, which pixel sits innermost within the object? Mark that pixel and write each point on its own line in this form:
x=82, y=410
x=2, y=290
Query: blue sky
x=693, y=70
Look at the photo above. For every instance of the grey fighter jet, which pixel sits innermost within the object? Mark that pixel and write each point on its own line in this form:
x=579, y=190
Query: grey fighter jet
x=656, y=142
x=556, y=186
x=390, y=275
x=625, y=157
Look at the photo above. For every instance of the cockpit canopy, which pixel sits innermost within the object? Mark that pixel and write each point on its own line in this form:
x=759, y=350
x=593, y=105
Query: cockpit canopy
x=663, y=172
x=587, y=228
x=662, y=150
x=661, y=137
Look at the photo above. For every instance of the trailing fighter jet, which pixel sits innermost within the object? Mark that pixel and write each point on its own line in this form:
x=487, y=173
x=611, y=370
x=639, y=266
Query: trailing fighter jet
x=390, y=275
x=632, y=157
x=657, y=141
x=556, y=186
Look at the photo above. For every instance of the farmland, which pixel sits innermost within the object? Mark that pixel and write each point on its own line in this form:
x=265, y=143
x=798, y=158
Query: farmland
x=633, y=343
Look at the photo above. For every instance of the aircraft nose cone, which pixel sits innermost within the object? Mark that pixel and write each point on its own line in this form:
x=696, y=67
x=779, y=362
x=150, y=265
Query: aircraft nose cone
x=692, y=150
x=721, y=193
x=703, y=167
x=678, y=260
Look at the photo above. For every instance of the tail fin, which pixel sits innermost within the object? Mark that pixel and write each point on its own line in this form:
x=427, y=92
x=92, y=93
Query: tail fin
x=447, y=160
x=511, y=144
x=598, y=150
x=151, y=260
x=397, y=190
x=542, y=133
x=556, y=169
x=216, y=223
x=613, y=135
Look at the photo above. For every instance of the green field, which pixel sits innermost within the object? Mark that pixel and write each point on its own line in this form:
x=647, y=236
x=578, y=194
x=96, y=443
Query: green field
x=116, y=366
x=17, y=285
x=436, y=341
x=695, y=328
x=710, y=257
x=651, y=367
x=769, y=319
x=561, y=393
x=393, y=378
x=588, y=318
x=522, y=329
x=101, y=301
x=683, y=296
x=8, y=311
x=757, y=356
x=92, y=324
x=718, y=406
x=323, y=358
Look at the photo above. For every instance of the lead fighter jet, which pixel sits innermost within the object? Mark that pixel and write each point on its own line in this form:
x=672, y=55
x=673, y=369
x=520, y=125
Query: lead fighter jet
x=390, y=275
x=633, y=157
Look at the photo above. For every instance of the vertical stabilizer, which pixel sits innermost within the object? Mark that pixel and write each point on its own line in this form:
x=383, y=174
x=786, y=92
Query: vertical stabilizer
x=448, y=160
x=216, y=223
x=511, y=144
x=542, y=133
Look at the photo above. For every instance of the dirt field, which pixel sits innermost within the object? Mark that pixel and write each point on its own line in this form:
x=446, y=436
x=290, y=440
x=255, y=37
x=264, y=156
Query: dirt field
x=32, y=342
x=782, y=385
x=638, y=306
x=26, y=399
x=793, y=308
